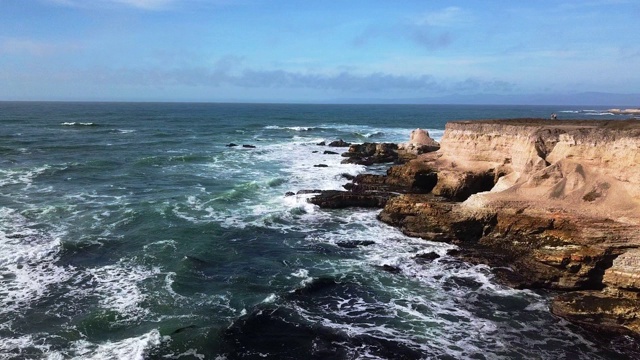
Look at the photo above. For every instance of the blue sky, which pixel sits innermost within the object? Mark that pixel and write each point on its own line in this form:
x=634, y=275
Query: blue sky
x=309, y=51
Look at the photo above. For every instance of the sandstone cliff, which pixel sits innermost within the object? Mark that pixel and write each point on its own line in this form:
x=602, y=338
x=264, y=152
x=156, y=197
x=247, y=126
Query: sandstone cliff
x=552, y=204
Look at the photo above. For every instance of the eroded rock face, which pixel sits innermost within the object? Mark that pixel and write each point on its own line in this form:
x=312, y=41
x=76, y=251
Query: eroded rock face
x=421, y=137
x=371, y=153
x=419, y=143
x=333, y=199
x=550, y=204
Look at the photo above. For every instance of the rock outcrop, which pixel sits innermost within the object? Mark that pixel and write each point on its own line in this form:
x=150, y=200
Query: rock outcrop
x=549, y=204
x=371, y=153
x=375, y=153
x=419, y=143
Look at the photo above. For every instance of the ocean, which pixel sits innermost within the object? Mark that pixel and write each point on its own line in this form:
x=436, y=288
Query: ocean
x=131, y=231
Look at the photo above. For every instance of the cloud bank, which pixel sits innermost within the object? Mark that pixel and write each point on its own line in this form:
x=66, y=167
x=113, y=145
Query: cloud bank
x=225, y=74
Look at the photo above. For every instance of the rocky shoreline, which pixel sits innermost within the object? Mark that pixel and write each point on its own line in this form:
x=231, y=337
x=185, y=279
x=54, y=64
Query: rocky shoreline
x=547, y=204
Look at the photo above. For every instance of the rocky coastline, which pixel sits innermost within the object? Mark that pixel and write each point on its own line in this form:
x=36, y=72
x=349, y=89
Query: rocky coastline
x=547, y=204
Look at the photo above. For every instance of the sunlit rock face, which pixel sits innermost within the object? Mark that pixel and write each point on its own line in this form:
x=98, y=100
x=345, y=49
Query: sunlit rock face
x=552, y=204
x=419, y=143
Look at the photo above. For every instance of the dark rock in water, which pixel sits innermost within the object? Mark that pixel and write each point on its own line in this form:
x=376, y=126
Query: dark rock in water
x=351, y=244
x=289, y=193
x=453, y=252
x=426, y=257
x=348, y=176
x=371, y=153
x=179, y=330
x=314, y=151
x=280, y=333
x=463, y=282
x=304, y=192
x=321, y=143
x=231, y=145
x=328, y=152
x=390, y=268
x=249, y=146
x=196, y=261
x=321, y=165
x=339, y=143
x=335, y=199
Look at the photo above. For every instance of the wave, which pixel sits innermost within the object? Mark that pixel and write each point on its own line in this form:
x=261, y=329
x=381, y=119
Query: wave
x=134, y=348
x=276, y=182
x=292, y=128
x=239, y=192
x=124, y=131
x=74, y=123
x=589, y=112
x=21, y=176
x=375, y=134
x=598, y=113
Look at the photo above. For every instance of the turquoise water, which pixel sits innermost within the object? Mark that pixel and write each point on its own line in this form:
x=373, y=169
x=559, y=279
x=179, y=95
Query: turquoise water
x=130, y=231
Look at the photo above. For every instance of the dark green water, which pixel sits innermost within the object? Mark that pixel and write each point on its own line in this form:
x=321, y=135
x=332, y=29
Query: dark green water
x=130, y=231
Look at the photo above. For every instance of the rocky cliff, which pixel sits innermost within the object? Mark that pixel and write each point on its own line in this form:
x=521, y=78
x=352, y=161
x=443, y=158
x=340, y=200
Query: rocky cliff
x=549, y=204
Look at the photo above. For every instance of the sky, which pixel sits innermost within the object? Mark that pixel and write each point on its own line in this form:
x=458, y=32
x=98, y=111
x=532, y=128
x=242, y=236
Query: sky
x=315, y=51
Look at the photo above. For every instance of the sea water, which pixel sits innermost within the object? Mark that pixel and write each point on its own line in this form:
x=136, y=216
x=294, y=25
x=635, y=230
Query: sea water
x=131, y=231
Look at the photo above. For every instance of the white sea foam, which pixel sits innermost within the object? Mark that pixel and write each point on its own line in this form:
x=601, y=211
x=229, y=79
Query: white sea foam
x=599, y=113
x=8, y=346
x=27, y=262
x=294, y=169
x=134, y=348
x=190, y=354
x=294, y=128
x=269, y=299
x=434, y=305
x=74, y=123
x=21, y=176
x=119, y=288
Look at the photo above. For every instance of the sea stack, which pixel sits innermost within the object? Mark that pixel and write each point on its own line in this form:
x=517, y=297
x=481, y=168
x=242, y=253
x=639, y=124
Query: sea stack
x=419, y=143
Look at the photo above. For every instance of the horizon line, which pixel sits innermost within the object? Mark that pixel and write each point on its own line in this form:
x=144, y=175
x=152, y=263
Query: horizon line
x=239, y=102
